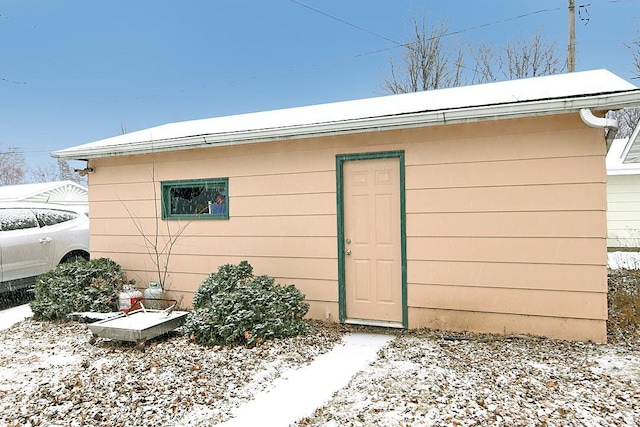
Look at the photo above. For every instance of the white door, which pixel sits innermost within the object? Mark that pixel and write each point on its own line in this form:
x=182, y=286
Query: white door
x=373, y=254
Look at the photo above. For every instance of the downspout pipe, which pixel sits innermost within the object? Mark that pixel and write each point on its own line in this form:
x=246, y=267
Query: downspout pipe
x=611, y=125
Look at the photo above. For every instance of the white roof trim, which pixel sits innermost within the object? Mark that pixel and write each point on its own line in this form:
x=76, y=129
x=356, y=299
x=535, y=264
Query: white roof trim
x=597, y=90
x=615, y=159
x=631, y=149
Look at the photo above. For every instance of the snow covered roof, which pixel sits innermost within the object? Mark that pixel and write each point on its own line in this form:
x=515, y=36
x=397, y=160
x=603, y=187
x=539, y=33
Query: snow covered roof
x=598, y=90
x=60, y=192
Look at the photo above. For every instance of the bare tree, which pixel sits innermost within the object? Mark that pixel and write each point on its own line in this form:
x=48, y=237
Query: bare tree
x=485, y=59
x=12, y=166
x=516, y=60
x=67, y=173
x=45, y=172
x=635, y=46
x=530, y=58
x=628, y=118
x=428, y=62
x=59, y=171
x=431, y=61
x=158, y=244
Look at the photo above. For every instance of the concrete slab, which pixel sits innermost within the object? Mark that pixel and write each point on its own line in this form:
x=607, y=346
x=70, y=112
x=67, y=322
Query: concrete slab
x=299, y=392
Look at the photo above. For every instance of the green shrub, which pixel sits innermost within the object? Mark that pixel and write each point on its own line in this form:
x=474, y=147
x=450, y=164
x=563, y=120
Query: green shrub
x=234, y=307
x=227, y=278
x=78, y=286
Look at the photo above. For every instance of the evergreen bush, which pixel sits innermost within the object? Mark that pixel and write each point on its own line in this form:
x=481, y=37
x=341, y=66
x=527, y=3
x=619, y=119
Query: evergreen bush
x=78, y=286
x=234, y=307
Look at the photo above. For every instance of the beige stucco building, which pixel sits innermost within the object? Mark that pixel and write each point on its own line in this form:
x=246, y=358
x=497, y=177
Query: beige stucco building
x=480, y=208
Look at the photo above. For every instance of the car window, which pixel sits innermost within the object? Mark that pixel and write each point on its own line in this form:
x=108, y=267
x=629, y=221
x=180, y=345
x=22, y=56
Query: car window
x=17, y=219
x=53, y=216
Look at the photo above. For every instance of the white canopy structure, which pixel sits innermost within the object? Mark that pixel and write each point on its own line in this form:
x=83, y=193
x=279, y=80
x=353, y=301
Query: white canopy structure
x=59, y=192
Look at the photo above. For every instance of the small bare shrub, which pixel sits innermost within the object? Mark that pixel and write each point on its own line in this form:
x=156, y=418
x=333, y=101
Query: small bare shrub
x=624, y=302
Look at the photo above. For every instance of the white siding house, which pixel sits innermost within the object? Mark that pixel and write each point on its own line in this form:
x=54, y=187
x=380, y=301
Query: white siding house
x=623, y=193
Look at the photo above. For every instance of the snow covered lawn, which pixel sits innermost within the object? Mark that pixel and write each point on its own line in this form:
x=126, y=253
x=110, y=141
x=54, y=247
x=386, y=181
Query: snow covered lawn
x=423, y=379
x=50, y=375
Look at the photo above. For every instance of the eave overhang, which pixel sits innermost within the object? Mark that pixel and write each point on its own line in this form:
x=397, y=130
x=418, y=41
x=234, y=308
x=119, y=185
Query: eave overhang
x=509, y=110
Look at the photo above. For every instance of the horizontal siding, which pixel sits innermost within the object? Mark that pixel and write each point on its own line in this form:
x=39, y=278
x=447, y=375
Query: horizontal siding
x=572, y=277
x=483, y=142
x=501, y=323
x=552, y=224
x=513, y=236
x=239, y=206
x=547, y=303
x=274, y=226
x=500, y=217
x=622, y=215
x=627, y=199
x=533, y=198
x=279, y=184
x=568, y=170
x=588, y=251
x=266, y=247
x=283, y=205
x=623, y=211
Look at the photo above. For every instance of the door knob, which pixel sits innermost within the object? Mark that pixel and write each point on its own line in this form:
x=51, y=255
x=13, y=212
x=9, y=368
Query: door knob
x=348, y=252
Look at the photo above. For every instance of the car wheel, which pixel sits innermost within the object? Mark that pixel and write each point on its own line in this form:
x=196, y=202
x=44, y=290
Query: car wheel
x=75, y=256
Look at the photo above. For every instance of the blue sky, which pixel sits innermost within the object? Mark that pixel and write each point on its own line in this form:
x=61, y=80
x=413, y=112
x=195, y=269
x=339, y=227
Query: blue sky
x=73, y=72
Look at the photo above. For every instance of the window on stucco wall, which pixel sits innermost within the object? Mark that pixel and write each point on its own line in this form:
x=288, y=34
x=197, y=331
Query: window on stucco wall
x=195, y=199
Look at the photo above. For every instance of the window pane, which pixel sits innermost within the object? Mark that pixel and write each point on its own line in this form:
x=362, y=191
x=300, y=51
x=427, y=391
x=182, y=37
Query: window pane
x=53, y=216
x=198, y=199
x=17, y=219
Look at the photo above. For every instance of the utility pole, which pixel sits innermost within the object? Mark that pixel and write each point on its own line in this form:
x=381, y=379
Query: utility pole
x=571, y=47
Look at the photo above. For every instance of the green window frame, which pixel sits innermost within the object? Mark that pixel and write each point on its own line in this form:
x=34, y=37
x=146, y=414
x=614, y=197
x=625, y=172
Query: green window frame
x=206, y=198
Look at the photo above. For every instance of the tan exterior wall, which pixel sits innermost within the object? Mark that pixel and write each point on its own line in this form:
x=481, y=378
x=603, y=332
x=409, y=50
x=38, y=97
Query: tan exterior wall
x=623, y=211
x=505, y=221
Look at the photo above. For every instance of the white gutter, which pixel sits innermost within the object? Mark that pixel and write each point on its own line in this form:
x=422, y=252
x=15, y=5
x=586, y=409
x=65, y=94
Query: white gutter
x=611, y=125
x=510, y=110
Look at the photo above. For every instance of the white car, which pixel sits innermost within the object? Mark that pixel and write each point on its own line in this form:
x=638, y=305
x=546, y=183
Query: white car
x=35, y=238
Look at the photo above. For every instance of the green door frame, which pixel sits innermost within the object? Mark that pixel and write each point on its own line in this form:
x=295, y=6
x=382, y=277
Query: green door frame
x=342, y=290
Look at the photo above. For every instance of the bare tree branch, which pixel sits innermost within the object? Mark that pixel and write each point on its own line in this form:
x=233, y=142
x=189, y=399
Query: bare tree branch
x=428, y=62
x=159, y=246
x=628, y=119
x=12, y=166
x=636, y=55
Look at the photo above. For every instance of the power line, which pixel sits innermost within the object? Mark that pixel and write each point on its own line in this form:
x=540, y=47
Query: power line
x=513, y=18
x=451, y=33
x=357, y=55
x=345, y=22
x=12, y=81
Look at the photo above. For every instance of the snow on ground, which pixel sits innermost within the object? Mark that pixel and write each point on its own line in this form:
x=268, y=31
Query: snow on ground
x=628, y=260
x=13, y=315
x=422, y=379
x=51, y=375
